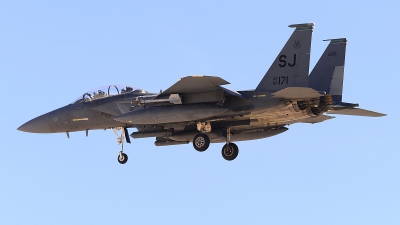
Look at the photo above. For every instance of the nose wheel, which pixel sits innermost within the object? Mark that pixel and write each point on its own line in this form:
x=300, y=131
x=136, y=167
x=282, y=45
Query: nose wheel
x=122, y=158
x=124, y=136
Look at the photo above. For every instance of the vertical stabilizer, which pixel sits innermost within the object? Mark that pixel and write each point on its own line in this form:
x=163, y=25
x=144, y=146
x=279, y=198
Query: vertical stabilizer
x=328, y=73
x=290, y=68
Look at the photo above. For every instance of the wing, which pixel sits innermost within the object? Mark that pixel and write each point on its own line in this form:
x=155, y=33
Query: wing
x=194, y=84
x=198, y=89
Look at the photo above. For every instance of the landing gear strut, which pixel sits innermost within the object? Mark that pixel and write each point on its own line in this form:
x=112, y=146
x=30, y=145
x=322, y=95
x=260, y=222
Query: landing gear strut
x=230, y=150
x=122, y=157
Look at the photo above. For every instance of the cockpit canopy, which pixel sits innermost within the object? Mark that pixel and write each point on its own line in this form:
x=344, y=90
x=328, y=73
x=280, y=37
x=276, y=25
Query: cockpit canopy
x=107, y=91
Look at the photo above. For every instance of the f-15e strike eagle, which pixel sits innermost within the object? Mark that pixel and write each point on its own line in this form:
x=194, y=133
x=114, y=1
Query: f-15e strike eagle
x=200, y=110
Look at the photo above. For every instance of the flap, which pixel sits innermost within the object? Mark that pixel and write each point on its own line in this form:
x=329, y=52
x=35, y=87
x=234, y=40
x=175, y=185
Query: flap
x=296, y=93
x=356, y=112
x=194, y=84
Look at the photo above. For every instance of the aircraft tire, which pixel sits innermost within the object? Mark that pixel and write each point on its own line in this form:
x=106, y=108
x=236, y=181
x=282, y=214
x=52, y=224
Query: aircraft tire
x=123, y=158
x=230, y=152
x=201, y=142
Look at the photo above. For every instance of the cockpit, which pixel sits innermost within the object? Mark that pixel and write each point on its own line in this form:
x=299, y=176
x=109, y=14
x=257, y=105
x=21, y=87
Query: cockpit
x=107, y=91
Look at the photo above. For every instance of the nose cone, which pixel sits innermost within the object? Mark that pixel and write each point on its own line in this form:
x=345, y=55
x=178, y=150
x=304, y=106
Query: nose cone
x=38, y=125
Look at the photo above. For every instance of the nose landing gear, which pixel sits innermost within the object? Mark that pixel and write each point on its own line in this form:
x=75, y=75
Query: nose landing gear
x=124, y=136
x=122, y=158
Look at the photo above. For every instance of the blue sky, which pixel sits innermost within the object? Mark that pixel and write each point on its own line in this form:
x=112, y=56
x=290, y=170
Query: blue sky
x=343, y=171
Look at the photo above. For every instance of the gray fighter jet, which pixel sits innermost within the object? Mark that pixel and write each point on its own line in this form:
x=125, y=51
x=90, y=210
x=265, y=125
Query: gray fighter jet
x=200, y=110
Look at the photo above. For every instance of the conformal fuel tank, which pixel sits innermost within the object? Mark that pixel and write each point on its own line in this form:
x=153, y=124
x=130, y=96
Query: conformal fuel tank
x=171, y=114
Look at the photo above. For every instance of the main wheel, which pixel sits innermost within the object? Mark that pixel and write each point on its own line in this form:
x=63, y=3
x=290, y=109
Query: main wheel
x=201, y=142
x=230, y=151
x=122, y=158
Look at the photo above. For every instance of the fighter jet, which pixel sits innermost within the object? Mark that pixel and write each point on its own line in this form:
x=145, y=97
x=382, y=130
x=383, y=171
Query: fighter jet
x=200, y=110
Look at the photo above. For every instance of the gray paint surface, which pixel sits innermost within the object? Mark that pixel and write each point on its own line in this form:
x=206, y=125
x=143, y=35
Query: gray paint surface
x=199, y=104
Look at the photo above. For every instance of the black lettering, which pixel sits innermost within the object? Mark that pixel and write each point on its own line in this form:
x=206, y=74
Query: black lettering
x=283, y=80
x=274, y=81
x=294, y=61
x=280, y=80
x=282, y=60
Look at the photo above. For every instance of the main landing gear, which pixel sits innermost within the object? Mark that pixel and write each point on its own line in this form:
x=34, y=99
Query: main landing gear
x=122, y=157
x=201, y=142
x=229, y=152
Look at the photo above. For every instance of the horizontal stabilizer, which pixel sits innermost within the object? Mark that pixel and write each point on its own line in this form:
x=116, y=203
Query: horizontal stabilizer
x=345, y=105
x=296, y=93
x=315, y=119
x=356, y=112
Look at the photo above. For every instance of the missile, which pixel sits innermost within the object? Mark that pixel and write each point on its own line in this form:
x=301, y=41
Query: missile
x=171, y=114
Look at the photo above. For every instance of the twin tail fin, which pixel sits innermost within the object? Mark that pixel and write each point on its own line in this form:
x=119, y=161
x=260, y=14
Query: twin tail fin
x=290, y=68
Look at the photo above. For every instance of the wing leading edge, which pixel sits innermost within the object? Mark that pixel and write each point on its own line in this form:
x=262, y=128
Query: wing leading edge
x=195, y=84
